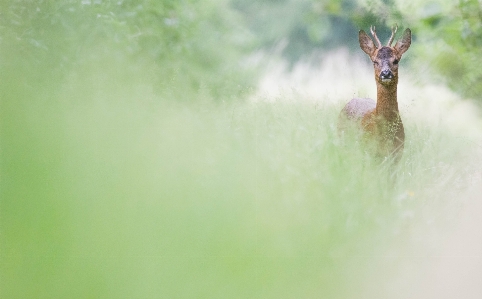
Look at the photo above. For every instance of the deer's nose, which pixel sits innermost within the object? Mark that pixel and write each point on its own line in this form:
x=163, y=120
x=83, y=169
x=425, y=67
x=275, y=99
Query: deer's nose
x=386, y=74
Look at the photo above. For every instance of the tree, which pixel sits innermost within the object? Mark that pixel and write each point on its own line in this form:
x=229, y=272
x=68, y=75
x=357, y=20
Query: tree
x=187, y=43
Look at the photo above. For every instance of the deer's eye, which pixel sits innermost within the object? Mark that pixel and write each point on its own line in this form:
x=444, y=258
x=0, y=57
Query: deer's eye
x=375, y=63
x=395, y=61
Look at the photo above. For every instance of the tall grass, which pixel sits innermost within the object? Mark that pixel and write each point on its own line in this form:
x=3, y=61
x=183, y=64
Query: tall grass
x=124, y=176
x=110, y=191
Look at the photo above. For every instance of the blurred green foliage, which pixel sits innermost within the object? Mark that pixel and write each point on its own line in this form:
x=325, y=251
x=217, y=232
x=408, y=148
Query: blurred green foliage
x=448, y=43
x=196, y=45
x=110, y=188
x=203, y=45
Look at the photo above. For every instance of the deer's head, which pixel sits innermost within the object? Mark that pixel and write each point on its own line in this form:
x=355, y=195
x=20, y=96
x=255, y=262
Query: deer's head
x=385, y=58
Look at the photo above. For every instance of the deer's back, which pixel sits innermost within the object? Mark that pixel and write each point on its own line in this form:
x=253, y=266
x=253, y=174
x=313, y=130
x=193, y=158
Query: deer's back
x=354, y=112
x=357, y=108
x=352, y=115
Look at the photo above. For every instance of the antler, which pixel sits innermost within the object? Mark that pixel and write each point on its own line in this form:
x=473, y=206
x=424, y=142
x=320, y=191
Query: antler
x=372, y=30
x=394, y=30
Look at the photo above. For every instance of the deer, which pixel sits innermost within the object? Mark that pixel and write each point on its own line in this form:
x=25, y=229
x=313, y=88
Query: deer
x=380, y=121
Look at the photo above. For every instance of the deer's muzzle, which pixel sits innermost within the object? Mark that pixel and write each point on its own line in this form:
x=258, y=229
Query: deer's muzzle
x=386, y=75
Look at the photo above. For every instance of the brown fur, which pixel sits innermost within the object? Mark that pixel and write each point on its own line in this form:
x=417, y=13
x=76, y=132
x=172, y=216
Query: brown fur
x=380, y=121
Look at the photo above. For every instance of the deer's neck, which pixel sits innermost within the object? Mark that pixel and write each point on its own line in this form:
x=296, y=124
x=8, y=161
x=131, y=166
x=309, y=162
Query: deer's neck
x=387, y=105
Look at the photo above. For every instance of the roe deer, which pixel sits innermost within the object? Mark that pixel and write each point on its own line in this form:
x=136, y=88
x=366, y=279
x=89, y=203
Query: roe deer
x=380, y=121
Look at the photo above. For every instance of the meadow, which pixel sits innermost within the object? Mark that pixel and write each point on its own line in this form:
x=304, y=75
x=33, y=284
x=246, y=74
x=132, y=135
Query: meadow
x=137, y=161
x=114, y=191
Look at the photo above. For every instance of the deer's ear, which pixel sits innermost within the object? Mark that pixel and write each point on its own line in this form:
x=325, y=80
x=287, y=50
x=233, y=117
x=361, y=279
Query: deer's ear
x=366, y=43
x=404, y=43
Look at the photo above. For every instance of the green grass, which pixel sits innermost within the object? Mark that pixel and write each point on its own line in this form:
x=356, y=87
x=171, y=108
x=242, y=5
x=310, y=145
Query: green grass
x=131, y=167
x=114, y=192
